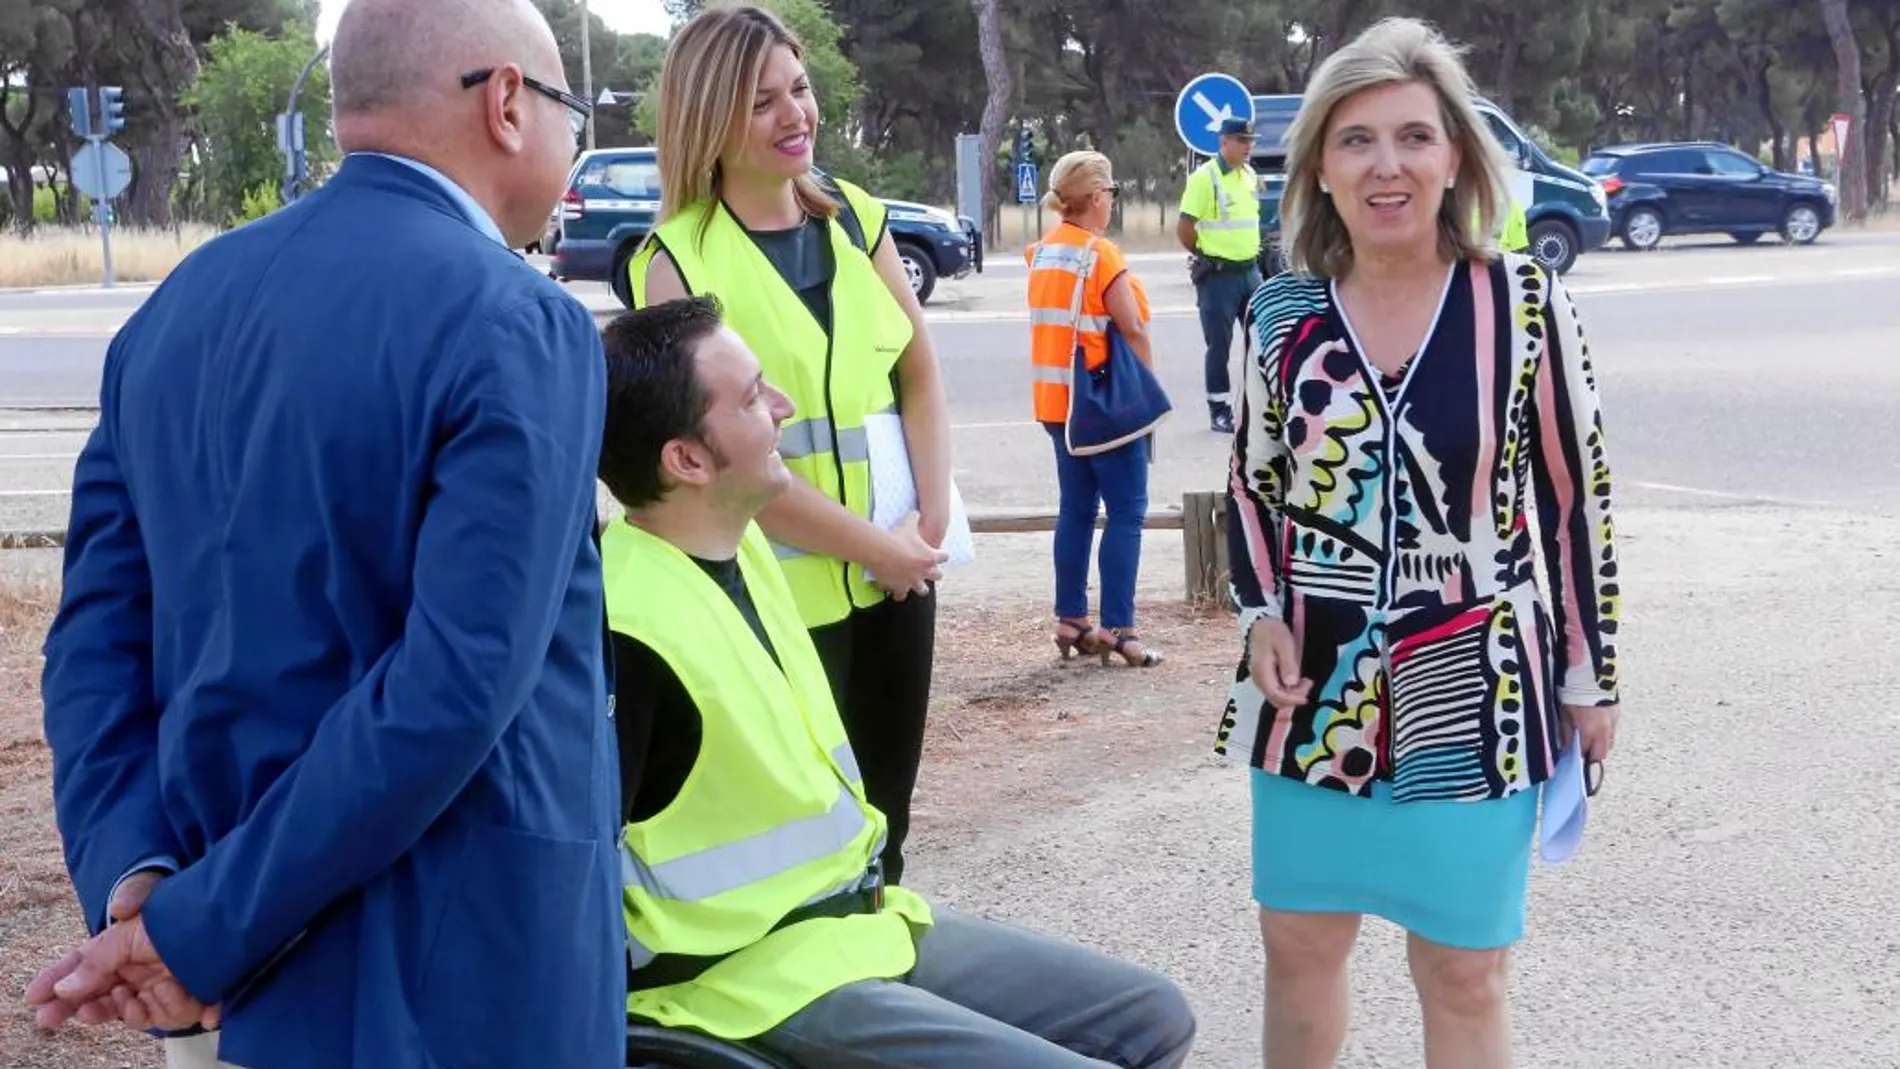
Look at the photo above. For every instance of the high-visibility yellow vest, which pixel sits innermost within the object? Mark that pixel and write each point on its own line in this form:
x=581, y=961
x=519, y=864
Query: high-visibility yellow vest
x=835, y=379
x=1516, y=236
x=1233, y=232
x=771, y=816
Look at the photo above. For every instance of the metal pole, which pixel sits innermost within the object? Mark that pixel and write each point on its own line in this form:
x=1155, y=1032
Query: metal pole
x=101, y=205
x=587, y=72
x=295, y=170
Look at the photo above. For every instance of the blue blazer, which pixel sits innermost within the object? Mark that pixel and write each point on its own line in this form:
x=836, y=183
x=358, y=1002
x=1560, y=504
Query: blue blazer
x=331, y=639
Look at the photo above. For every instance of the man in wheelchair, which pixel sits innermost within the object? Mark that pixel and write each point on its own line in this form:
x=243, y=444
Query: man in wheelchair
x=755, y=909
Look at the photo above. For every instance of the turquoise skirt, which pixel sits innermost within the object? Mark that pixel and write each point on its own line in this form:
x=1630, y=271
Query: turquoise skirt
x=1451, y=872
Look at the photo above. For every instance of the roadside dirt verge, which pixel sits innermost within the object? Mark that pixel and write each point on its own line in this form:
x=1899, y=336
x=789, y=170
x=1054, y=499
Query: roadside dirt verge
x=1015, y=733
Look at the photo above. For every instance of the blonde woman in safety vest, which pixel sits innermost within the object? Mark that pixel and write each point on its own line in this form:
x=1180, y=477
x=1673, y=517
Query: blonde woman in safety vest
x=812, y=282
x=1082, y=192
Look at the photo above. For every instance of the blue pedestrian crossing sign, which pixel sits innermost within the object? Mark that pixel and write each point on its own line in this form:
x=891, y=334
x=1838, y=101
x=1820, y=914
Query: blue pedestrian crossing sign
x=1027, y=182
x=1206, y=102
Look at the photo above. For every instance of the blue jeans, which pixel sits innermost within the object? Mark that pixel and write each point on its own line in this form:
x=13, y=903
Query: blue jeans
x=1222, y=300
x=1119, y=480
x=991, y=996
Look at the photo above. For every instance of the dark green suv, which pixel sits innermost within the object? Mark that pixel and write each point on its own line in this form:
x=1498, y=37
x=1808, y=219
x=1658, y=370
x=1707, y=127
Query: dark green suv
x=613, y=196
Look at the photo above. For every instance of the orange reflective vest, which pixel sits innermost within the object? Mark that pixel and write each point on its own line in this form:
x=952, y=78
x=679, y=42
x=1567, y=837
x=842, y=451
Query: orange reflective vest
x=1055, y=264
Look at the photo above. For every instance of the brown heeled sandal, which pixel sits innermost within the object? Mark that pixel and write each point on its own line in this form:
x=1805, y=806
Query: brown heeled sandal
x=1078, y=636
x=1128, y=644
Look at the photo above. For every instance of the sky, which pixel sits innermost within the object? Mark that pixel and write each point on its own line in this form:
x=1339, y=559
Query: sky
x=622, y=16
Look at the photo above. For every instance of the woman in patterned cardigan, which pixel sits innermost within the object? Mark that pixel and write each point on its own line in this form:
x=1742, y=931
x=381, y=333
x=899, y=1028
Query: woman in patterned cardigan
x=1420, y=427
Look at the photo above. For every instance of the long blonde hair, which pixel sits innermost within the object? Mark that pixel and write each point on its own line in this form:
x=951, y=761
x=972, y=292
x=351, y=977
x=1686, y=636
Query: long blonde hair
x=706, y=87
x=1391, y=52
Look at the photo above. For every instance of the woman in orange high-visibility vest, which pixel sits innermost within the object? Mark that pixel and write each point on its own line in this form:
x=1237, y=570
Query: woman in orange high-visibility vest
x=1082, y=191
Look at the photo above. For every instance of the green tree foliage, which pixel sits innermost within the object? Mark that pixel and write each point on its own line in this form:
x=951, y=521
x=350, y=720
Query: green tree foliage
x=240, y=90
x=898, y=80
x=842, y=148
x=622, y=63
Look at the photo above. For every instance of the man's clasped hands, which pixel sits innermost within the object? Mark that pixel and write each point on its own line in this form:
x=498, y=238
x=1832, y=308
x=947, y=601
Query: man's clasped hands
x=117, y=975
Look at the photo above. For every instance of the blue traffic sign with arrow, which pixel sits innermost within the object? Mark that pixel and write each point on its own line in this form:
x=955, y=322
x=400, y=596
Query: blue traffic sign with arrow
x=1206, y=102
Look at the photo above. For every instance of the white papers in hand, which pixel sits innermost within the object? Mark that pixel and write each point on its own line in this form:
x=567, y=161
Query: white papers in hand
x=1566, y=807
x=894, y=491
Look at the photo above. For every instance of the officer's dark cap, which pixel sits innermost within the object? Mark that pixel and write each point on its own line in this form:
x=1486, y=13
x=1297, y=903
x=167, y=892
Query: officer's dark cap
x=1236, y=128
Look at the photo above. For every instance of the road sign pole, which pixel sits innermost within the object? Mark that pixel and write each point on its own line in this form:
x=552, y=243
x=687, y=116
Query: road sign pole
x=587, y=71
x=101, y=210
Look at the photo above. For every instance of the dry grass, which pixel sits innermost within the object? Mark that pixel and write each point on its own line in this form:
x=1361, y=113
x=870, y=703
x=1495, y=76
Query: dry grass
x=39, y=917
x=73, y=256
x=1147, y=226
x=1013, y=733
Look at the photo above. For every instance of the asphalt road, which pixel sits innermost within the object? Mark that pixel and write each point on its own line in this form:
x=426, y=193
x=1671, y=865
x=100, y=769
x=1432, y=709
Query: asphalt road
x=1733, y=906
x=1729, y=374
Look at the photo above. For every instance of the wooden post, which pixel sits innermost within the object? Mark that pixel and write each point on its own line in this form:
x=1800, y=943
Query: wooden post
x=1222, y=573
x=1204, y=534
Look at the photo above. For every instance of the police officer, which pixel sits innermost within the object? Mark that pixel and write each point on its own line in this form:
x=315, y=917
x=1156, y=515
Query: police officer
x=1220, y=228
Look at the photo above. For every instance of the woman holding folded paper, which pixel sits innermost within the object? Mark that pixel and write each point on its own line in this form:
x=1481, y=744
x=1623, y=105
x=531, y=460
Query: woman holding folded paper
x=807, y=274
x=1405, y=691
x=1080, y=288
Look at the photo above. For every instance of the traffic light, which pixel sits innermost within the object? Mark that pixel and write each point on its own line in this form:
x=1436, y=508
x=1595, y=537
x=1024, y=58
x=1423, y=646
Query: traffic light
x=1025, y=143
x=111, y=109
x=79, y=111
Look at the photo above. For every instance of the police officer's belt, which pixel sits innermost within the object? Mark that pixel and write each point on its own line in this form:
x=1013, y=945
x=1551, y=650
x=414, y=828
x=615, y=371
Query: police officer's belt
x=667, y=969
x=1217, y=265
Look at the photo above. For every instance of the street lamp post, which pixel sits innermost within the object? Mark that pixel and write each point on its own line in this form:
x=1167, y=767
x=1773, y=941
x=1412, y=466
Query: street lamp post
x=290, y=134
x=587, y=72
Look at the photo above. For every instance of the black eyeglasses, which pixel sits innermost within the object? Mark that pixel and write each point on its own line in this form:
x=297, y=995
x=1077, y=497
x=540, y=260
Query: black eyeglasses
x=1113, y=189
x=578, y=110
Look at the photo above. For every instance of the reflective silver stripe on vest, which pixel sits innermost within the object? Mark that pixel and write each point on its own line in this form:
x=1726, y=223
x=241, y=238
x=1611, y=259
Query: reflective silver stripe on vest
x=1059, y=317
x=1230, y=224
x=1060, y=376
x=639, y=955
x=731, y=866
x=1061, y=257
x=810, y=436
x=870, y=877
x=847, y=762
x=805, y=437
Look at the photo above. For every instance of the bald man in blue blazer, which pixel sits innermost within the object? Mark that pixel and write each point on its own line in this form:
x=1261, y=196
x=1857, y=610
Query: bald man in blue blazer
x=333, y=755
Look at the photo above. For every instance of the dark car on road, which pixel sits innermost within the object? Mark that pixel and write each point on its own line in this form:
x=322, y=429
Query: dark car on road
x=613, y=197
x=1704, y=187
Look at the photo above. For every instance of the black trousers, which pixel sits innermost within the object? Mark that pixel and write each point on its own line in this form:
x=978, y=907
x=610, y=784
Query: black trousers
x=878, y=661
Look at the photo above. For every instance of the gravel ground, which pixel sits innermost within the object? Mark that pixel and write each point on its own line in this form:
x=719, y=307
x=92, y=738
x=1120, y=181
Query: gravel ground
x=1733, y=904
x=1731, y=909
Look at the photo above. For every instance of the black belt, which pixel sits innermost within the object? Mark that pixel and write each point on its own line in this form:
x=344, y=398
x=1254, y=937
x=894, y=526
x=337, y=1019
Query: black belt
x=668, y=969
x=1220, y=266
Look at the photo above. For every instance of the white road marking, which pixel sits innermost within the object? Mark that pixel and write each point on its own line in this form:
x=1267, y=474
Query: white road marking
x=1603, y=289
x=993, y=426
x=1724, y=495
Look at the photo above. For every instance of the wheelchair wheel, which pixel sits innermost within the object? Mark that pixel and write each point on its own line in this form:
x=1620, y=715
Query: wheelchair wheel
x=650, y=1046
